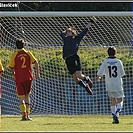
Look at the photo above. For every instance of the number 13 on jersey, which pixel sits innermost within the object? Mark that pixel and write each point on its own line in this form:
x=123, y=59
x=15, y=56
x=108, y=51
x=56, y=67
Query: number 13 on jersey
x=112, y=71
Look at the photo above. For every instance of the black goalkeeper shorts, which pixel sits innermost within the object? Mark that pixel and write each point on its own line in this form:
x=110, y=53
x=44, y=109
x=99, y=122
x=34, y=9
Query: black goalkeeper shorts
x=73, y=64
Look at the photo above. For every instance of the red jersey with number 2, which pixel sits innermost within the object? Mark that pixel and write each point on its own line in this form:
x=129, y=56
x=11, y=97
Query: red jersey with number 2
x=21, y=61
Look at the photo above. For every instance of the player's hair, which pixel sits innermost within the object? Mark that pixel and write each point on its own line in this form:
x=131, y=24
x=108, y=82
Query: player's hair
x=74, y=32
x=111, y=51
x=20, y=43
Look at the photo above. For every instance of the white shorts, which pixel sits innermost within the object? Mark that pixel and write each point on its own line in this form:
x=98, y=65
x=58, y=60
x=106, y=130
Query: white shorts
x=119, y=94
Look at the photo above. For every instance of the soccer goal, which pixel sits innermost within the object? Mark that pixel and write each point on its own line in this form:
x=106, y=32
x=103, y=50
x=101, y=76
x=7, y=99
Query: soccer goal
x=55, y=92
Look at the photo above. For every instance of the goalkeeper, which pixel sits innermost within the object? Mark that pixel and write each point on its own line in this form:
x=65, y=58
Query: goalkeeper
x=71, y=42
x=20, y=64
x=113, y=70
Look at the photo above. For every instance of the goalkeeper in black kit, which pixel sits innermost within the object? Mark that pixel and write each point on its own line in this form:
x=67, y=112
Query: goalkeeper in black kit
x=71, y=42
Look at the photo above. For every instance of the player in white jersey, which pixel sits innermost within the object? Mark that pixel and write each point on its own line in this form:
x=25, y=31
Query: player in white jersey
x=113, y=70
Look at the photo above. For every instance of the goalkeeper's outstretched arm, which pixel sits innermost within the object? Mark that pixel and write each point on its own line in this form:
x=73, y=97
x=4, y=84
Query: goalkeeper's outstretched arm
x=92, y=20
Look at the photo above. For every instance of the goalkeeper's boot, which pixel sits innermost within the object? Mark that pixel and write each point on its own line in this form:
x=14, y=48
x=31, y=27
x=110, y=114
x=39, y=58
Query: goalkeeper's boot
x=88, y=89
x=29, y=119
x=93, y=20
x=115, y=119
x=24, y=118
x=89, y=82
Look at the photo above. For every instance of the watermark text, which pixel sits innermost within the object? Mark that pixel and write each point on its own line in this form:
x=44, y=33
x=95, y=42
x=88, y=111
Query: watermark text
x=8, y=5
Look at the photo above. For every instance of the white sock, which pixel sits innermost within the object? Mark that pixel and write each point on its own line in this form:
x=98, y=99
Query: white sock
x=118, y=108
x=113, y=109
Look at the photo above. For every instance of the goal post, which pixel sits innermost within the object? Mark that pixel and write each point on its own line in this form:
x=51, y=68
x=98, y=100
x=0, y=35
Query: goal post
x=55, y=92
x=65, y=14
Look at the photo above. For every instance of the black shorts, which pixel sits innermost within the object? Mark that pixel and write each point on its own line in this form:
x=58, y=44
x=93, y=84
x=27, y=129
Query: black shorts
x=73, y=64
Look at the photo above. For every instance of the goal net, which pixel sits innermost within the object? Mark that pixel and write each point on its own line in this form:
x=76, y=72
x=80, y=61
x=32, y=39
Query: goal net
x=55, y=92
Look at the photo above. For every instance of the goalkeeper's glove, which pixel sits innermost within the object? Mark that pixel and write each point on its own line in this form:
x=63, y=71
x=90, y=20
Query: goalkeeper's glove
x=93, y=20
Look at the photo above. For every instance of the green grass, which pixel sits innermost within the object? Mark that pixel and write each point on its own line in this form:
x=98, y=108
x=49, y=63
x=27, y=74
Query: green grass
x=67, y=123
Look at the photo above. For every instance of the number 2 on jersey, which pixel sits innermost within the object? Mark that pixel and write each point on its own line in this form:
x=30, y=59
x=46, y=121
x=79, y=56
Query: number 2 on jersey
x=112, y=71
x=23, y=62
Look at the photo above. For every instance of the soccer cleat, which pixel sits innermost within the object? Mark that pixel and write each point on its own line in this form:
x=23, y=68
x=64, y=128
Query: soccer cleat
x=89, y=90
x=93, y=20
x=115, y=119
x=28, y=118
x=115, y=122
x=89, y=82
x=24, y=118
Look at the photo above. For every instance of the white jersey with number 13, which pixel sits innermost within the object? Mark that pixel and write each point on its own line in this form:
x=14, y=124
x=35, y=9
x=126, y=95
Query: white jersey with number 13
x=113, y=70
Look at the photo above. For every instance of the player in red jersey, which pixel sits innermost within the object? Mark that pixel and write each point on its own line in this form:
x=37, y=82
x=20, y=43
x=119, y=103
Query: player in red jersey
x=20, y=64
x=1, y=71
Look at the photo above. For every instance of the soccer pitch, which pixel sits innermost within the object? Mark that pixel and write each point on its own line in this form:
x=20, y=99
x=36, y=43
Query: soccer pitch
x=67, y=123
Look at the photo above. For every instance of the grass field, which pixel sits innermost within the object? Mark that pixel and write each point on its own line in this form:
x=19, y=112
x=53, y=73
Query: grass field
x=67, y=123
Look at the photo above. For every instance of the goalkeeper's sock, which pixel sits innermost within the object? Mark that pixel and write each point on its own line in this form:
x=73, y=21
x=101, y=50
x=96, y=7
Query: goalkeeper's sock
x=87, y=88
x=88, y=80
x=81, y=83
x=23, y=109
x=85, y=78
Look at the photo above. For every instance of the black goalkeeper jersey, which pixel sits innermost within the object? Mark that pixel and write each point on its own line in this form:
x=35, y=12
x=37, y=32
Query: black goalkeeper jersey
x=71, y=44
